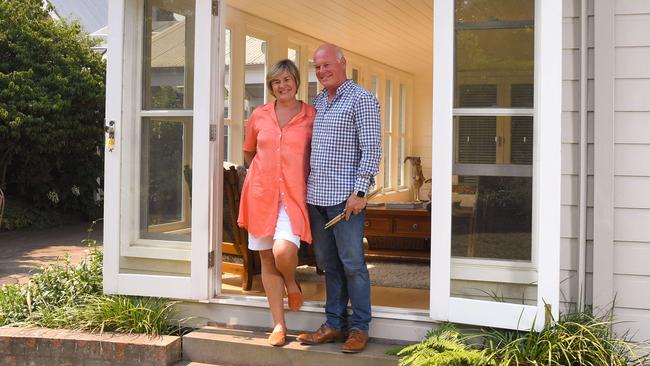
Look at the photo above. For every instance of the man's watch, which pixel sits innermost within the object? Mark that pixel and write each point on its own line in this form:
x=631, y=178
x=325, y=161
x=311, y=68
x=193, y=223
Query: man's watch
x=361, y=194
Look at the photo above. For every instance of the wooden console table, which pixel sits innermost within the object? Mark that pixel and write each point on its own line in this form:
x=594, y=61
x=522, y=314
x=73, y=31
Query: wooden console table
x=398, y=233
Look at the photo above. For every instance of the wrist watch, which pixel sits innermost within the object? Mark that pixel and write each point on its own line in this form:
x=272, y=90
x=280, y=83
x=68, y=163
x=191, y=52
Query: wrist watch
x=361, y=194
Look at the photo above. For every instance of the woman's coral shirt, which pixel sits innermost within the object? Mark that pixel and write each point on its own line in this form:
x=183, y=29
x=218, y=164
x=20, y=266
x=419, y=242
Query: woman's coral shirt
x=280, y=168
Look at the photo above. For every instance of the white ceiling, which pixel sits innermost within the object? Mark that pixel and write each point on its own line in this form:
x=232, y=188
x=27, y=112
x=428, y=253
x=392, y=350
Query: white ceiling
x=398, y=33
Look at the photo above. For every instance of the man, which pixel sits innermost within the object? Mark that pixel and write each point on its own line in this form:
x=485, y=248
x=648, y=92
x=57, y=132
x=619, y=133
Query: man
x=345, y=155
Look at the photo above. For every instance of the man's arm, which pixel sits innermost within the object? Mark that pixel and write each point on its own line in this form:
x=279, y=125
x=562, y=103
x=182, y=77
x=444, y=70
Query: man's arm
x=368, y=125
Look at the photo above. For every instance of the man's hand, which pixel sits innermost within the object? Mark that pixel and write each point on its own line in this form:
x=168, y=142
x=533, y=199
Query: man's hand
x=354, y=205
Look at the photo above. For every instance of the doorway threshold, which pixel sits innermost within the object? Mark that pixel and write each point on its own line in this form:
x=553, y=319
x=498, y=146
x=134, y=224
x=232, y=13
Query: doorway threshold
x=379, y=312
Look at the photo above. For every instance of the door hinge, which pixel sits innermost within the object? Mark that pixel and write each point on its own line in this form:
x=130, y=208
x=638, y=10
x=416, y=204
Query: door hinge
x=215, y=8
x=213, y=132
x=211, y=259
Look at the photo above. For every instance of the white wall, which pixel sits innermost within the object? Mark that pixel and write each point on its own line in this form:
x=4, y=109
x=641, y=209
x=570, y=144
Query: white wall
x=632, y=164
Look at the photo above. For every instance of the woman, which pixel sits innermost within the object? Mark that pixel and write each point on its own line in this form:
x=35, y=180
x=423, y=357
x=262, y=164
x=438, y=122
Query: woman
x=273, y=205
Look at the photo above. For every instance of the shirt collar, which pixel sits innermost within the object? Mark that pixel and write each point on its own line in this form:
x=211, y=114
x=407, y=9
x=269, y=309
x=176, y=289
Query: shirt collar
x=341, y=89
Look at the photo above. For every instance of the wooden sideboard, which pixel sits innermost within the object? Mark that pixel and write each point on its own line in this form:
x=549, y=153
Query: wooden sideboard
x=398, y=233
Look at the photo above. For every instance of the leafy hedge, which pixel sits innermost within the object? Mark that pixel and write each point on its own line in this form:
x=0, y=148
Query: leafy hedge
x=51, y=110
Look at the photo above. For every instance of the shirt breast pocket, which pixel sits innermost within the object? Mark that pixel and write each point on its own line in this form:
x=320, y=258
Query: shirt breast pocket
x=343, y=122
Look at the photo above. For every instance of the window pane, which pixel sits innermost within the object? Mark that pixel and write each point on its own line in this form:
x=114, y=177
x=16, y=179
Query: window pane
x=374, y=86
x=292, y=55
x=491, y=217
x=388, y=107
x=312, y=89
x=227, y=77
x=402, y=129
x=168, y=55
x=387, y=166
x=521, y=95
x=388, y=126
x=165, y=179
x=522, y=140
x=475, y=140
x=226, y=140
x=255, y=74
x=494, y=44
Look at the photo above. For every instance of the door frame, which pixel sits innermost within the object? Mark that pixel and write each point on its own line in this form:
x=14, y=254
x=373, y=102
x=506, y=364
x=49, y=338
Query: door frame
x=120, y=86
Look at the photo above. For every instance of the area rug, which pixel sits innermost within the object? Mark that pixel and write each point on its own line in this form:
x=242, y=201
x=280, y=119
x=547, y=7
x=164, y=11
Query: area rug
x=385, y=274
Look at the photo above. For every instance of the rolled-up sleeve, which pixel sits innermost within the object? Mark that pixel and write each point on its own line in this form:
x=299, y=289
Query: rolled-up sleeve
x=368, y=124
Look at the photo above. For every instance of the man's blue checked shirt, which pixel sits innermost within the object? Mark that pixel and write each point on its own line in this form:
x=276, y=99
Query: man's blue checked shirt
x=345, y=146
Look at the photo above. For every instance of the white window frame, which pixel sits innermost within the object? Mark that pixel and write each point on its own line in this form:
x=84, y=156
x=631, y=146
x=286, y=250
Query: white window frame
x=388, y=152
x=227, y=121
x=401, y=134
x=131, y=243
x=546, y=183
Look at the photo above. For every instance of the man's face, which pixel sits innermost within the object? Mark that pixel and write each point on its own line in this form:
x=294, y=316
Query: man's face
x=329, y=70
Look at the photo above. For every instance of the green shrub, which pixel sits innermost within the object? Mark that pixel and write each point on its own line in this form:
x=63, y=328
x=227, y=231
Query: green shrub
x=443, y=346
x=19, y=214
x=13, y=304
x=51, y=110
x=63, y=295
x=575, y=339
x=126, y=314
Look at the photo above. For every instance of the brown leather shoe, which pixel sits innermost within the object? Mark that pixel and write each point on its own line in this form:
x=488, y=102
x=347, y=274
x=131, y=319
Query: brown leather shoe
x=324, y=334
x=356, y=342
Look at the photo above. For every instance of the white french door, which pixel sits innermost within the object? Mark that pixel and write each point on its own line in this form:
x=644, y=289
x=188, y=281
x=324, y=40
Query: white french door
x=158, y=175
x=496, y=162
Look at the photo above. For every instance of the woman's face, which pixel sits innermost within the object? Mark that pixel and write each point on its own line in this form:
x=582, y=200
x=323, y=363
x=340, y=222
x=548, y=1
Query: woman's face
x=284, y=87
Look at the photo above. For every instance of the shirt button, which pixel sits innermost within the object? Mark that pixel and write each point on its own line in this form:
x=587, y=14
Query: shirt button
x=278, y=149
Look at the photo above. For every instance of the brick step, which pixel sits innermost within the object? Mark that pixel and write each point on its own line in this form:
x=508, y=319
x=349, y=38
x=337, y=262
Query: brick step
x=40, y=346
x=222, y=346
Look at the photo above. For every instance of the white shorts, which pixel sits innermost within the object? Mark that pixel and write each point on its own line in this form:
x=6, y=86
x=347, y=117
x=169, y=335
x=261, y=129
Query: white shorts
x=282, y=231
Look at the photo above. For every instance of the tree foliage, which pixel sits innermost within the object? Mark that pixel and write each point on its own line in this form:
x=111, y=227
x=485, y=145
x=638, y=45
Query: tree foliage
x=51, y=109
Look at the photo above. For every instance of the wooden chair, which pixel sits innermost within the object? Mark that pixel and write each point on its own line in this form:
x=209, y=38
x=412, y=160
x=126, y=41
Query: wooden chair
x=235, y=239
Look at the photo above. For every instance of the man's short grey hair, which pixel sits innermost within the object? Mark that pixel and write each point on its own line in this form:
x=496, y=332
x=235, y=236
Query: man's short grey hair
x=339, y=53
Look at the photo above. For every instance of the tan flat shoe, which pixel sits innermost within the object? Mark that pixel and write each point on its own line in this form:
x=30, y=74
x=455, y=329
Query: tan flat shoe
x=278, y=338
x=295, y=299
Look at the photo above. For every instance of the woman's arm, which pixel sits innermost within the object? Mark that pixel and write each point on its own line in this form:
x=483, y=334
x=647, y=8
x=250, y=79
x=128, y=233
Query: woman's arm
x=248, y=157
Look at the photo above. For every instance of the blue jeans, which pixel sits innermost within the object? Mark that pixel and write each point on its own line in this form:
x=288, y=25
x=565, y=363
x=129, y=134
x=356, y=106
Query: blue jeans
x=339, y=252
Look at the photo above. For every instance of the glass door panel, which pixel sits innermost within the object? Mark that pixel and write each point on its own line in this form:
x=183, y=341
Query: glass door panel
x=166, y=179
x=168, y=49
x=255, y=74
x=491, y=192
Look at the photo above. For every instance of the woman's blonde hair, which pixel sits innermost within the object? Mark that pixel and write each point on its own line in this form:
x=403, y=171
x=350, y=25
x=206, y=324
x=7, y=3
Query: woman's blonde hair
x=278, y=68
